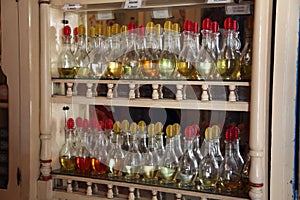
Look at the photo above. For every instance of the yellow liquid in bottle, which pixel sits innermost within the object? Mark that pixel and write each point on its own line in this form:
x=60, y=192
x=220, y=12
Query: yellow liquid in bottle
x=83, y=72
x=150, y=172
x=67, y=163
x=186, y=69
x=149, y=68
x=228, y=68
x=168, y=174
x=67, y=72
x=114, y=70
x=166, y=68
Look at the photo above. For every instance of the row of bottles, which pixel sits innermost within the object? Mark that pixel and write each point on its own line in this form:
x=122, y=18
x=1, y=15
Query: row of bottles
x=138, y=151
x=155, y=52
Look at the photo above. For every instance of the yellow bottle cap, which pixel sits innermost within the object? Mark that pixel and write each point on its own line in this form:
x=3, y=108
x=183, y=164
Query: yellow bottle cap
x=176, y=128
x=99, y=29
x=81, y=29
x=92, y=31
x=168, y=26
x=133, y=128
x=169, y=131
x=158, y=127
x=115, y=29
x=142, y=126
x=175, y=28
x=158, y=29
x=208, y=133
x=150, y=27
x=117, y=126
x=125, y=125
x=151, y=129
x=215, y=129
x=124, y=30
x=108, y=31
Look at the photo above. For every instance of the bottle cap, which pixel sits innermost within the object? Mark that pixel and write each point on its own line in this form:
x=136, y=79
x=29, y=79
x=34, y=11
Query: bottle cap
x=158, y=127
x=169, y=131
x=230, y=133
x=131, y=26
x=124, y=30
x=94, y=123
x=206, y=24
x=151, y=129
x=208, y=133
x=150, y=27
x=141, y=30
x=75, y=31
x=158, y=29
x=189, y=132
x=188, y=25
x=142, y=126
x=125, y=125
x=85, y=125
x=70, y=123
x=99, y=29
x=196, y=27
x=175, y=28
x=235, y=26
x=117, y=127
x=168, y=26
x=81, y=29
x=228, y=24
x=108, y=123
x=115, y=29
x=215, y=129
x=92, y=31
x=236, y=132
x=108, y=31
x=79, y=122
x=176, y=128
x=214, y=27
x=196, y=129
x=133, y=128
x=67, y=30
x=101, y=125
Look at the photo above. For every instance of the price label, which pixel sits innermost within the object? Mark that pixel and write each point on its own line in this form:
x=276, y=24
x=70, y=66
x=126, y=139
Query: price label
x=219, y=1
x=133, y=4
x=72, y=6
x=161, y=14
x=238, y=10
x=105, y=15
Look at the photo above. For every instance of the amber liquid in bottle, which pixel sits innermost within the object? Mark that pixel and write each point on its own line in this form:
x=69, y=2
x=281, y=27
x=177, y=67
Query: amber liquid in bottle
x=67, y=72
x=83, y=164
x=186, y=69
x=99, y=167
x=149, y=68
x=67, y=163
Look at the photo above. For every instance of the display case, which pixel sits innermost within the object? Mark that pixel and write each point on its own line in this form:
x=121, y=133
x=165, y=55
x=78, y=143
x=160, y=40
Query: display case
x=184, y=101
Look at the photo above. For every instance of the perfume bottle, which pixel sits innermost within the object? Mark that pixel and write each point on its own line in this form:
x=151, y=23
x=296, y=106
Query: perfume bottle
x=92, y=42
x=236, y=148
x=177, y=140
x=216, y=133
x=142, y=134
x=159, y=138
x=125, y=135
x=169, y=166
x=67, y=152
x=188, y=166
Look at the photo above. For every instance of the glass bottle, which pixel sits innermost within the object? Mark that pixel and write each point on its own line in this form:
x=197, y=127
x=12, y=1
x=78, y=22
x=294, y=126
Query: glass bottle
x=185, y=62
x=125, y=135
x=196, y=143
x=81, y=56
x=236, y=148
x=159, y=134
x=131, y=56
x=205, y=64
x=83, y=154
x=3, y=87
x=133, y=160
x=151, y=158
x=74, y=43
x=67, y=152
x=229, y=173
x=92, y=42
x=108, y=132
x=208, y=168
x=169, y=163
x=216, y=133
x=228, y=63
x=215, y=46
x=66, y=65
x=236, y=37
x=114, y=68
x=246, y=55
x=167, y=57
x=245, y=173
x=148, y=63
x=176, y=39
x=188, y=166
x=142, y=137
x=177, y=140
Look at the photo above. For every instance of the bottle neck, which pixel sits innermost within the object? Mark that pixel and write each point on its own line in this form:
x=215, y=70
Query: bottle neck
x=229, y=144
x=206, y=38
x=176, y=43
x=188, y=144
x=168, y=42
x=81, y=41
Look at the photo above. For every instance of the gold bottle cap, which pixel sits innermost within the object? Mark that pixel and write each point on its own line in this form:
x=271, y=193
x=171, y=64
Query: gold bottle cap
x=150, y=27
x=142, y=126
x=215, y=129
x=158, y=127
x=117, y=126
x=133, y=128
x=176, y=128
x=151, y=129
x=108, y=31
x=168, y=26
x=115, y=29
x=99, y=29
x=175, y=28
x=125, y=125
x=81, y=29
x=92, y=31
x=208, y=133
x=169, y=131
x=124, y=30
x=158, y=29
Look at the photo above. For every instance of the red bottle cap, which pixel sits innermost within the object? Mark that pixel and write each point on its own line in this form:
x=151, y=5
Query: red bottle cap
x=206, y=24
x=235, y=26
x=230, y=133
x=141, y=30
x=109, y=123
x=236, y=132
x=70, y=123
x=75, y=31
x=196, y=27
x=79, y=122
x=94, y=123
x=188, y=25
x=189, y=132
x=67, y=30
x=215, y=27
x=85, y=124
x=228, y=24
x=131, y=26
x=196, y=129
x=101, y=125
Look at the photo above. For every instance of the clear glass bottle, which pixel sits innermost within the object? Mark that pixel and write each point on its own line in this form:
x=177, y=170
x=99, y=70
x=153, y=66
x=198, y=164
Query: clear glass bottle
x=245, y=173
x=169, y=165
x=216, y=134
x=236, y=148
x=184, y=67
x=92, y=41
x=125, y=135
x=74, y=43
x=196, y=143
x=228, y=63
x=149, y=57
x=188, y=166
x=205, y=64
x=142, y=134
x=81, y=56
x=66, y=63
x=83, y=154
x=159, y=137
x=208, y=168
x=177, y=140
x=151, y=158
x=230, y=176
x=167, y=57
x=67, y=152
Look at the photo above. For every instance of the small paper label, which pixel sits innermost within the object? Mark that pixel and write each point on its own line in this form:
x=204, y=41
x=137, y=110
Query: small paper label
x=133, y=4
x=105, y=15
x=161, y=14
x=219, y=1
x=238, y=10
x=72, y=6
